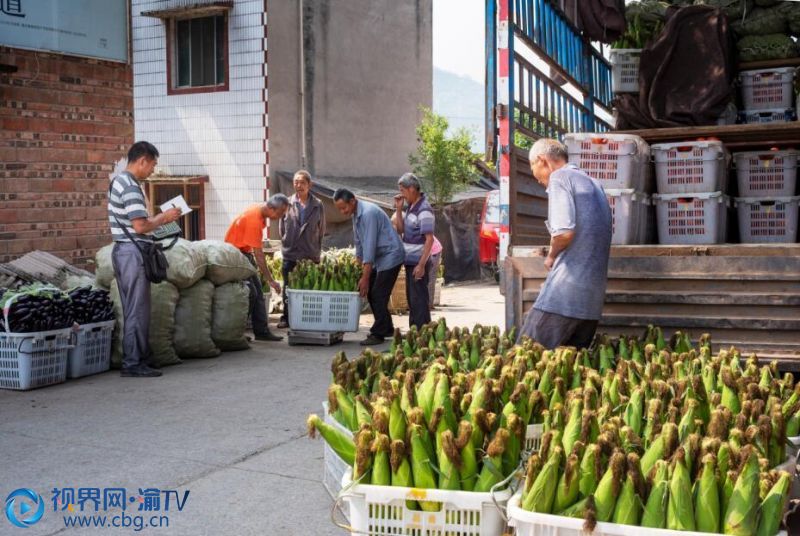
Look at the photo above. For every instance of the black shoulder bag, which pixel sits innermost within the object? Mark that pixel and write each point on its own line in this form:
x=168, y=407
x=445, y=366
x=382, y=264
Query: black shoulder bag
x=153, y=258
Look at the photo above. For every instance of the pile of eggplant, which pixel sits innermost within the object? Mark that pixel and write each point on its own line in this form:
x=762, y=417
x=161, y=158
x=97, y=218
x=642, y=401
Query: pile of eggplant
x=91, y=305
x=38, y=307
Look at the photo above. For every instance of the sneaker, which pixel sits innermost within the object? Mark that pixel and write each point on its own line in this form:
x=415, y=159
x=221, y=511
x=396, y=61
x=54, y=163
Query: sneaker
x=140, y=371
x=268, y=336
x=283, y=323
x=372, y=340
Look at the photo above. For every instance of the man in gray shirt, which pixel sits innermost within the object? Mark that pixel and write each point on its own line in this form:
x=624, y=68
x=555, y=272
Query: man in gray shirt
x=381, y=253
x=130, y=220
x=570, y=301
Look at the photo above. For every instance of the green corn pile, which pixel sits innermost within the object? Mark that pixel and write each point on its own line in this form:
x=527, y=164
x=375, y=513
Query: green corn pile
x=332, y=274
x=639, y=431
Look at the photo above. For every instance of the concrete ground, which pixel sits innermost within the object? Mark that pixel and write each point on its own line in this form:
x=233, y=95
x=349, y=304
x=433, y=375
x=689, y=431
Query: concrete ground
x=230, y=430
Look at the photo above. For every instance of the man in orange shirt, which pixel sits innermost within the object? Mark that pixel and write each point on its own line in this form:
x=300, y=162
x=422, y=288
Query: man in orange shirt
x=246, y=233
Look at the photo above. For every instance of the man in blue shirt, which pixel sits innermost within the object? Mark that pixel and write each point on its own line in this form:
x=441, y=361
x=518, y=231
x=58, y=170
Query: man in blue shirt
x=570, y=301
x=380, y=251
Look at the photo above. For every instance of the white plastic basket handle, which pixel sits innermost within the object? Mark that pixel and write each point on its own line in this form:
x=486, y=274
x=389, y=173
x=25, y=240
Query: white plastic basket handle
x=508, y=481
x=336, y=505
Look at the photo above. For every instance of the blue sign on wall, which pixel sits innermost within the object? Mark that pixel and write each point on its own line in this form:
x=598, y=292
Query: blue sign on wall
x=93, y=28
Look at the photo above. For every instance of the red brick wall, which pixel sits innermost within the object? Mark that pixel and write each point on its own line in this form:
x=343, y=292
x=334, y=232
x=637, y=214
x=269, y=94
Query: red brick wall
x=64, y=122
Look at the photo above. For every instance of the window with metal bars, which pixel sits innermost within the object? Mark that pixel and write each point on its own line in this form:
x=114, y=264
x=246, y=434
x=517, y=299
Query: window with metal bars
x=198, y=54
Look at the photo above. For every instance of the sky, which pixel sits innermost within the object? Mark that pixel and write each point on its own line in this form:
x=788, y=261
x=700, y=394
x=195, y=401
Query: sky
x=458, y=37
x=458, y=48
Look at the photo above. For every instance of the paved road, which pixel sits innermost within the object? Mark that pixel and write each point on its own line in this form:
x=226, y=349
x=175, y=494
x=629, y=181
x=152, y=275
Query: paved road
x=229, y=430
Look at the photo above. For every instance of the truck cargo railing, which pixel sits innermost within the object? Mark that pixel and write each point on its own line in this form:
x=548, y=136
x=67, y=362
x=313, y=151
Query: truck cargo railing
x=544, y=79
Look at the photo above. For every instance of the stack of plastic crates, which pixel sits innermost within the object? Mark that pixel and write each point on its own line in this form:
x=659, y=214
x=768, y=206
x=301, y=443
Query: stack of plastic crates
x=621, y=164
x=691, y=205
x=768, y=95
x=767, y=206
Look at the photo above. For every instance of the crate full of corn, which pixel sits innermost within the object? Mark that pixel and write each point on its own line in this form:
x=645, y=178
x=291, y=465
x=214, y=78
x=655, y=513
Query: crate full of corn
x=633, y=420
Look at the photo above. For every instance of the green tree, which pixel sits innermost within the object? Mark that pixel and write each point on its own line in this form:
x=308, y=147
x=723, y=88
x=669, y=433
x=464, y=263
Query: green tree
x=444, y=164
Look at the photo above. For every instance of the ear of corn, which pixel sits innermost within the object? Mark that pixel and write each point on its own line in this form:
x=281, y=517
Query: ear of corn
x=511, y=455
x=425, y=391
x=542, y=494
x=421, y=466
x=655, y=510
x=441, y=399
x=572, y=430
x=589, y=470
x=341, y=444
x=401, y=468
x=680, y=511
x=449, y=463
x=730, y=398
x=793, y=425
x=397, y=421
x=660, y=448
x=578, y=510
x=491, y=472
x=773, y=505
x=567, y=490
x=628, y=508
x=605, y=497
x=741, y=516
x=706, y=500
x=381, y=469
x=687, y=425
x=634, y=410
x=469, y=460
x=340, y=402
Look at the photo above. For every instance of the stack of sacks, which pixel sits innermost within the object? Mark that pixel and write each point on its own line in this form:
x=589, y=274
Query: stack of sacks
x=199, y=311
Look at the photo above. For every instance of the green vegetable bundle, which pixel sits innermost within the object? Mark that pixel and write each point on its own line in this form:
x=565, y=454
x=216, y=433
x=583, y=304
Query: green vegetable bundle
x=645, y=20
x=734, y=9
x=766, y=47
x=760, y=21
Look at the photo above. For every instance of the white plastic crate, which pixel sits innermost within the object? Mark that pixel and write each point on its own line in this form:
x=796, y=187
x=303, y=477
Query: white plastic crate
x=533, y=437
x=616, y=160
x=335, y=467
x=382, y=511
x=690, y=167
x=691, y=218
x=535, y=524
x=625, y=69
x=92, y=351
x=766, y=173
x=767, y=220
x=318, y=310
x=628, y=216
x=768, y=89
x=31, y=360
x=778, y=115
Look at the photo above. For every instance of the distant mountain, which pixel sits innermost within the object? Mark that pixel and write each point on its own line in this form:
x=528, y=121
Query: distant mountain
x=461, y=101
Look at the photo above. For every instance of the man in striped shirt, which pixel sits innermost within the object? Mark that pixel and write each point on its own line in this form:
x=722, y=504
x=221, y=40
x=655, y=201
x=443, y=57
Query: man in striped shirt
x=127, y=208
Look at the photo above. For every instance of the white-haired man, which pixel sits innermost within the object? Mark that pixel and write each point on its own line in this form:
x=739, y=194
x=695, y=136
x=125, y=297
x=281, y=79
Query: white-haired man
x=570, y=301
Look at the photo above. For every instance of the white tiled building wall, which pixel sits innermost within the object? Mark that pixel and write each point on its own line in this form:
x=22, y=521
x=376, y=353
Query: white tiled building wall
x=220, y=134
